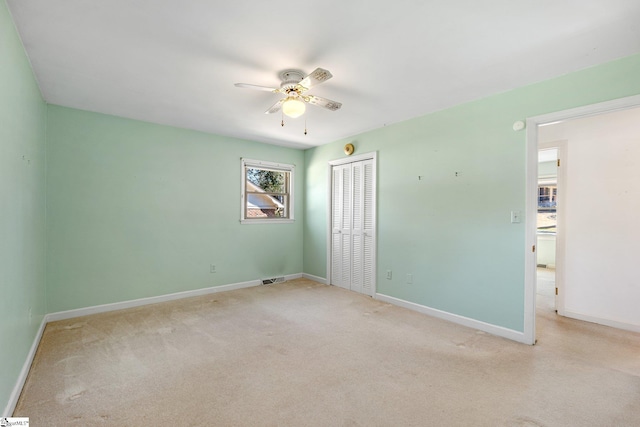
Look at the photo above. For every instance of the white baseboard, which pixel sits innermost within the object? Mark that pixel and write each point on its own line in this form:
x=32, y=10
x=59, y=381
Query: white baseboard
x=17, y=389
x=103, y=308
x=69, y=314
x=315, y=278
x=606, y=322
x=460, y=320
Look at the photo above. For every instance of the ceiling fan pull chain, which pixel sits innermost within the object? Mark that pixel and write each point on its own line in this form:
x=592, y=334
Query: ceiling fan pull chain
x=282, y=122
x=305, y=125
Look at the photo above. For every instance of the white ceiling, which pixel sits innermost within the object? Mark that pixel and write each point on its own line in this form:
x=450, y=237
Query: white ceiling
x=176, y=62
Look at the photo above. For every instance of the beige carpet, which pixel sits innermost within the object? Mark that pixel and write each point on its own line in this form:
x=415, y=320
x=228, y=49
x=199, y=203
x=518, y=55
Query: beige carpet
x=304, y=354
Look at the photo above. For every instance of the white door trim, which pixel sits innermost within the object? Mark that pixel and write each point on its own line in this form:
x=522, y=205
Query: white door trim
x=366, y=156
x=531, y=204
x=352, y=159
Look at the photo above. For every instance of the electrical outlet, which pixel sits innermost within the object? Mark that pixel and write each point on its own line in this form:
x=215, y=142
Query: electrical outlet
x=388, y=274
x=409, y=278
x=212, y=268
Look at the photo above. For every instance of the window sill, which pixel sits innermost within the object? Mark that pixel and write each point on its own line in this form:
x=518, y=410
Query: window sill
x=266, y=221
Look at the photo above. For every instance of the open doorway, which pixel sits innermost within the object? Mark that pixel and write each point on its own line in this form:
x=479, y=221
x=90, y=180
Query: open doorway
x=597, y=253
x=547, y=228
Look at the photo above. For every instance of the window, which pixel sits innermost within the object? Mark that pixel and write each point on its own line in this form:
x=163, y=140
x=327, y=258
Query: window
x=547, y=190
x=267, y=192
x=547, y=201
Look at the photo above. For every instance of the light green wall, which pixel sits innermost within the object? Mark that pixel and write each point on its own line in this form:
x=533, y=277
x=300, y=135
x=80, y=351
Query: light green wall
x=454, y=233
x=138, y=210
x=22, y=206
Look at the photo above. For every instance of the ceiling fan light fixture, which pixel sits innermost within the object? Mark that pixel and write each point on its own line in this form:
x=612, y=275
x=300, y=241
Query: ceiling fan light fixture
x=293, y=107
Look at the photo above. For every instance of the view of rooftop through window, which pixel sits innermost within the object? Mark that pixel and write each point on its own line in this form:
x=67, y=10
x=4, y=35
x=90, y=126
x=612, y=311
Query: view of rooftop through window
x=268, y=180
x=267, y=193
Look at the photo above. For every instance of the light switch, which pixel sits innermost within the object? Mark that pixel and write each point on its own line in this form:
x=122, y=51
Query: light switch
x=516, y=217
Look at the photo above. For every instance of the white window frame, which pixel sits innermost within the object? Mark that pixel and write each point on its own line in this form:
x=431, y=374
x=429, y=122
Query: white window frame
x=278, y=167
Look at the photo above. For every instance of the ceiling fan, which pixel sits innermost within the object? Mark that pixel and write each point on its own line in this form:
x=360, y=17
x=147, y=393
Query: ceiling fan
x=294, y=85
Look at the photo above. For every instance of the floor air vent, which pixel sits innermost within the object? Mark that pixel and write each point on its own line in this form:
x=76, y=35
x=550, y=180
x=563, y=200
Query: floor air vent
x=273, y=280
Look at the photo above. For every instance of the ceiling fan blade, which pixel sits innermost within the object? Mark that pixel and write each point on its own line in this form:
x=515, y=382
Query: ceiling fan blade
x=263, y=88
x=275, y=107
x=323, y=102
x=318, y=76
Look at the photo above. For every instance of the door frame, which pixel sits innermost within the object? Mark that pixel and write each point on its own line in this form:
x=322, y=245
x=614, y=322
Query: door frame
x=338, y=162
x=531, y=202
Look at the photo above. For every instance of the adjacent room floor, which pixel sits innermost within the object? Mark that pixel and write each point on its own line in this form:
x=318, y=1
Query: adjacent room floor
x=546, y=291
x=304, y=354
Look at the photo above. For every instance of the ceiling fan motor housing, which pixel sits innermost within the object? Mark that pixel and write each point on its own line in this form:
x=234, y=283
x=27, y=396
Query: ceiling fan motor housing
x=290, y=78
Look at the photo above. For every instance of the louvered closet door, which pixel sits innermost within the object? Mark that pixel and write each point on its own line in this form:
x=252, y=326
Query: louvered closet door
x=341, y=226
x=353, y=227
x=368, y=229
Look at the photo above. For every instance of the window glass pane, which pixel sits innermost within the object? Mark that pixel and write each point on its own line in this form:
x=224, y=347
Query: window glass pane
x=547, y=201
x=262, y=205
x=267, y=180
